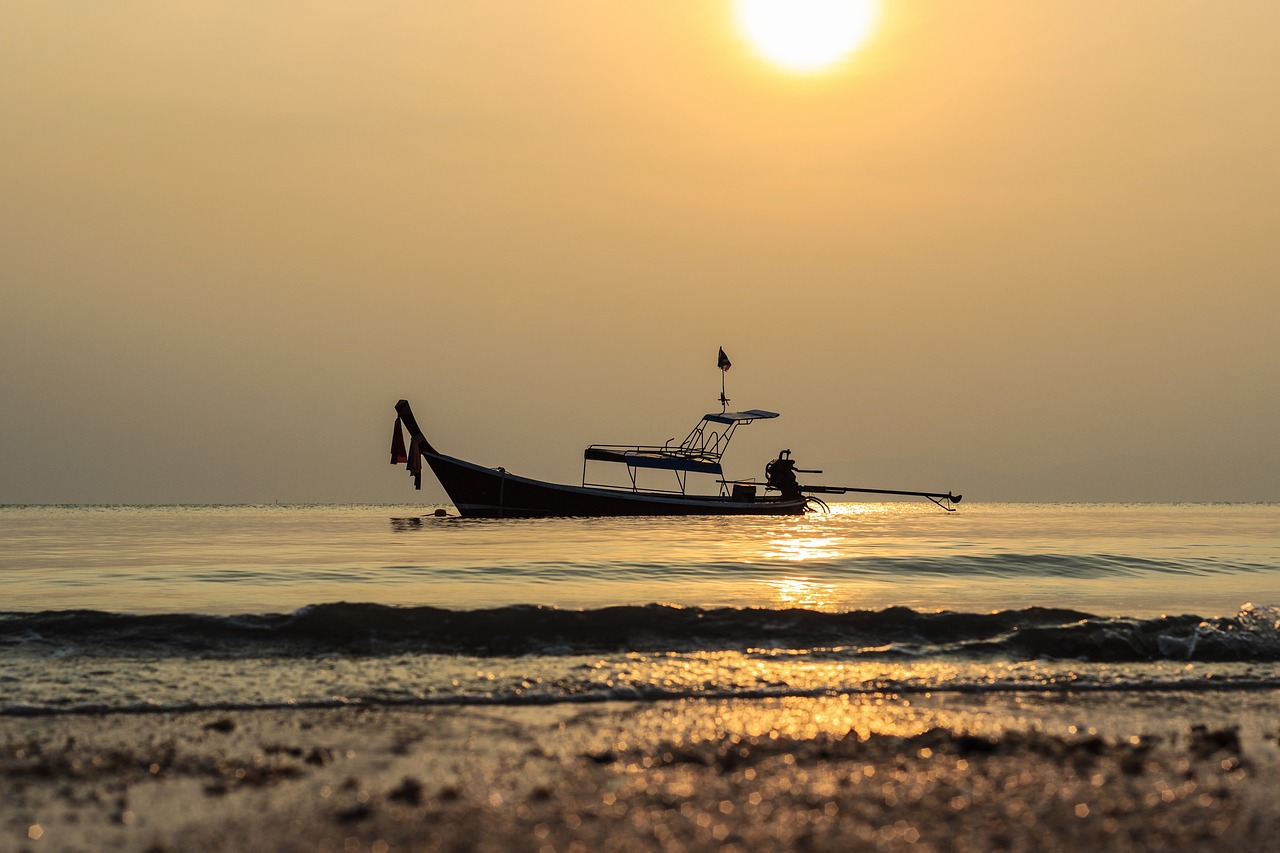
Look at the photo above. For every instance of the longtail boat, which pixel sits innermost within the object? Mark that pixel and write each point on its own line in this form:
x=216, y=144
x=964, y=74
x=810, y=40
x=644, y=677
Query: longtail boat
x=480, y=492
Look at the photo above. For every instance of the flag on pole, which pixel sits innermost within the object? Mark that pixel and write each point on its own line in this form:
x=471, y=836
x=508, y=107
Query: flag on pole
x=723, y=362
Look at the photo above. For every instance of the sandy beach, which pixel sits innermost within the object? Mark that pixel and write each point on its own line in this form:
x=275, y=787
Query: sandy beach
x=1119, y=771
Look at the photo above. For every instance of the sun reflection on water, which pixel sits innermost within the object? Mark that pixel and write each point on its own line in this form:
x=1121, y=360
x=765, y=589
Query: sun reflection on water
x=792, y=591
x=813, y=544
x=814, y=537
x=801, y=548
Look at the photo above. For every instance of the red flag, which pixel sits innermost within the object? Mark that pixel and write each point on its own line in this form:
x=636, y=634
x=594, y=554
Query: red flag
x=398, y=456
x=723, y=362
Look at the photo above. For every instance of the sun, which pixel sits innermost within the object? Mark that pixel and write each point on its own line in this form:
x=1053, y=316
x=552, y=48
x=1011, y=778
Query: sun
x=805, y=35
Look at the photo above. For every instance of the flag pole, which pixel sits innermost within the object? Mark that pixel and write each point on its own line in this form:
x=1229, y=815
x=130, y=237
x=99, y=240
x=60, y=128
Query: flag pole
x=722, y=362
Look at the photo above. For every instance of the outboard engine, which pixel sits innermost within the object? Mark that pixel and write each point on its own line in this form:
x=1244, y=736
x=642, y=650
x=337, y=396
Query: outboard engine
x=780, y=474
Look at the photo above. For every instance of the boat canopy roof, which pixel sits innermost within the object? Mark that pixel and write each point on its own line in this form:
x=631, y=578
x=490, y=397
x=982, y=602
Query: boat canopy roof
x=738, y=417
x=700, y=452
x=640, y=457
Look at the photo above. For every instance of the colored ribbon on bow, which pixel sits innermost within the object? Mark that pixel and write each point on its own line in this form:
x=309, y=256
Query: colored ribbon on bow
x=398, y=456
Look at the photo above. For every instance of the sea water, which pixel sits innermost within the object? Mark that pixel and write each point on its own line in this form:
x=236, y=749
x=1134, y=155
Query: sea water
x=136, y=608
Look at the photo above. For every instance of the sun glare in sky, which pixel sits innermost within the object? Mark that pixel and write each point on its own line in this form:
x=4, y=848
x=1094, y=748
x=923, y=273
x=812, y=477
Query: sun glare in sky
x=805, y=35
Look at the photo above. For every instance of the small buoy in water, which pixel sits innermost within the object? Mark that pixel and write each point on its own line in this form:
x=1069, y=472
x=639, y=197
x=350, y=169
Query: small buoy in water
x=440, y=513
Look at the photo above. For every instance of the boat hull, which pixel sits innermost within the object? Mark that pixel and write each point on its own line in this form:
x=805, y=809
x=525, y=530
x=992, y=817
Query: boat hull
x=480, y=492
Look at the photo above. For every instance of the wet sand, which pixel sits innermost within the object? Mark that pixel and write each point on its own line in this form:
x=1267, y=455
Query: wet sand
x=1005, y=771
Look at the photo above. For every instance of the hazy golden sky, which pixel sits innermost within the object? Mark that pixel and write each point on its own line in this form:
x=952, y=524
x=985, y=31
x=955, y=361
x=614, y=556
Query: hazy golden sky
x=1023, y=250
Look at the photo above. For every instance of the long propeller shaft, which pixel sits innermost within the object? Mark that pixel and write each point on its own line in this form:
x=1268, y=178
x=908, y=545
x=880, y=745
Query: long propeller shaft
x=936, y=497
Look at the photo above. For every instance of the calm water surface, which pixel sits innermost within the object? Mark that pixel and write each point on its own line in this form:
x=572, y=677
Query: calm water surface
x=110, y=607
x=1108, y=559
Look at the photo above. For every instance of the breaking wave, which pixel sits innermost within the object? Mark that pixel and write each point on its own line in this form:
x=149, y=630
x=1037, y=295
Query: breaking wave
x=893, y=633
